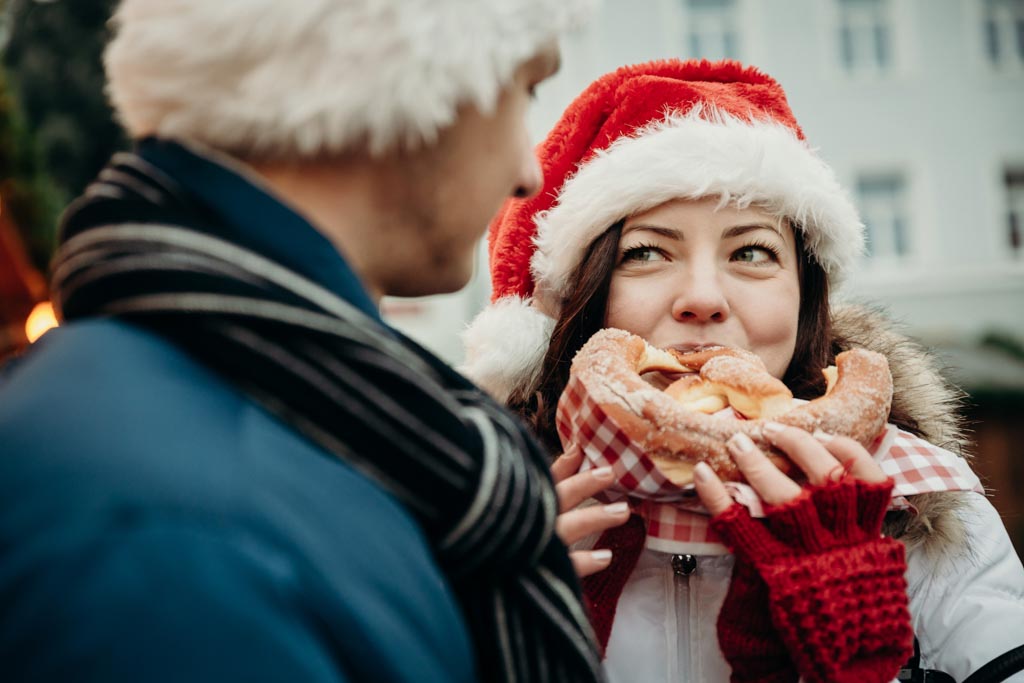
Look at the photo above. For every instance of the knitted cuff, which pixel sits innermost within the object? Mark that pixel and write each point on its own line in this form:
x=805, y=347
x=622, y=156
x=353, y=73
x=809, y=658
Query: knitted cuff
x=748, y=538
x=851, y=506
x=746, y=635
x=843, y=614
x=840, y=514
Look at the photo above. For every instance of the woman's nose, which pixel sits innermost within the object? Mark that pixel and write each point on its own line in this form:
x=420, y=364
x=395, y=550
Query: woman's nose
x=701, y=299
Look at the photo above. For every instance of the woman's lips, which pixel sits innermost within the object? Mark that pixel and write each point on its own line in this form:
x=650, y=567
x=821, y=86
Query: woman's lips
x=694, y=347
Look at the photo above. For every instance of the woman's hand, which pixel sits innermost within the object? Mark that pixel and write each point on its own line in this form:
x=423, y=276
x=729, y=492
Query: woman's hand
x=573, y=488
x=816, y=571
x=823, y=458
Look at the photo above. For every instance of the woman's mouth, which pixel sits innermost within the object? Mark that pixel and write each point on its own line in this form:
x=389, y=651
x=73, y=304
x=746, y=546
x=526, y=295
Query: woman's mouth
x=694, y=347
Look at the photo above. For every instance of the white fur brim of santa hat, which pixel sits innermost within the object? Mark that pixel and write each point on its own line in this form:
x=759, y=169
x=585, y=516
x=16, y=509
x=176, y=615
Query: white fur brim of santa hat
x=301, y=79
x=678, y=144
x=703, y=153
x=505, y=346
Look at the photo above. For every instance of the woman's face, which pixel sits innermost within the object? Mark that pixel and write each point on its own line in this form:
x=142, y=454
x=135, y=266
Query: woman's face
x=690, y=276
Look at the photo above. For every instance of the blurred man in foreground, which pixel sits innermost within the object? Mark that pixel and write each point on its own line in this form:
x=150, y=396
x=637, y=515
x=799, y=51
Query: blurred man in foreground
x=225, y=465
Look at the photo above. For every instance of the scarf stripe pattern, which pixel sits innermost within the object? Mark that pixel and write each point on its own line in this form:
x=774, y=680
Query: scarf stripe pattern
x=136, y=247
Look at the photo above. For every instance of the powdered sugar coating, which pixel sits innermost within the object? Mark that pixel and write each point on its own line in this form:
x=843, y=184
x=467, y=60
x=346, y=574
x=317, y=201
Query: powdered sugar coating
x=608, y=368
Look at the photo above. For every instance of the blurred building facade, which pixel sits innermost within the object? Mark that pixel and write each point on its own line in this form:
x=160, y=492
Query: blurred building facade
x=918, y=105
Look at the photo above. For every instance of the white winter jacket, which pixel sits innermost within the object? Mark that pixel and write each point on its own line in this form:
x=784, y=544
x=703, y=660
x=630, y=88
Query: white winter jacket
x=966, y=609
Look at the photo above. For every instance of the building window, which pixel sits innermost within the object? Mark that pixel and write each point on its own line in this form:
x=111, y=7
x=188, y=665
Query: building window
x=1004, y=32
x=711, y=29
x=865, y=41
x=1015, y=211
x=883, y=205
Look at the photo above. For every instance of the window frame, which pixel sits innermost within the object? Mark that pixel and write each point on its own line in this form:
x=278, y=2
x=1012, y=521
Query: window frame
x=875, y=18
x=1009, y=57
x=693, y=27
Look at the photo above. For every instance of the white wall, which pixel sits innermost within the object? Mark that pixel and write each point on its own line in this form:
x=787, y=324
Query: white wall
x=942, y=114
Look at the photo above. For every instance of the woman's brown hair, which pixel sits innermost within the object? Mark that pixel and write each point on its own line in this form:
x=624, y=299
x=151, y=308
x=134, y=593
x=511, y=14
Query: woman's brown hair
x=583, y=313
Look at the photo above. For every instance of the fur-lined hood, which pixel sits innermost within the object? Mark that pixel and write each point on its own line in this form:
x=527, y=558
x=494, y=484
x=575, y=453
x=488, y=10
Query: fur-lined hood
x=923, y=403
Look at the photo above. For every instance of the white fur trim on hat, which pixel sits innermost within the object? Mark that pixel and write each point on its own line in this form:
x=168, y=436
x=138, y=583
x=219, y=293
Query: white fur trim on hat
x=505, y=347
x=690, y=156
x=305, y=78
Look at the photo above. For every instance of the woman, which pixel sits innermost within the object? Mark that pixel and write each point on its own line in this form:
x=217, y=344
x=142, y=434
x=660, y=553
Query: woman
x=682, y=203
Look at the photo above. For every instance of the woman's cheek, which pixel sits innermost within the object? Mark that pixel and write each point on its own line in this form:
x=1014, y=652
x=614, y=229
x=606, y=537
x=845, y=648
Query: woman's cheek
x=771, y=321
x=624, y=300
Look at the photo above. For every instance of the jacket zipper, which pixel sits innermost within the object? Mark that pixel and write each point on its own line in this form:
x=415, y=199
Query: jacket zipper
x=683, y=566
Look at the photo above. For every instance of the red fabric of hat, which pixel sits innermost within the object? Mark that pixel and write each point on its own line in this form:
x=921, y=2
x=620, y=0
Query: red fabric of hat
x=636, y=138
x=616, y=105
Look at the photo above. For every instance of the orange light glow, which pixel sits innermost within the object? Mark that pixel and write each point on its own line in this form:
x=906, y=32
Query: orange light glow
x=39, y=321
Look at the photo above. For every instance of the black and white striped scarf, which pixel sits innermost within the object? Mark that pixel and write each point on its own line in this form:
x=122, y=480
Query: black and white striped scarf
x=136, y=247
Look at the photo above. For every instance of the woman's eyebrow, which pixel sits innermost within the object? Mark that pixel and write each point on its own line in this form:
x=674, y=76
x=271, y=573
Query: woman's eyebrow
x=738, y=230
x=734, y=231
x=670, y=233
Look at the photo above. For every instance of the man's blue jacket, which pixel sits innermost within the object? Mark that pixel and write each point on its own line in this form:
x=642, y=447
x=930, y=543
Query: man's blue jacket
x=156, y=524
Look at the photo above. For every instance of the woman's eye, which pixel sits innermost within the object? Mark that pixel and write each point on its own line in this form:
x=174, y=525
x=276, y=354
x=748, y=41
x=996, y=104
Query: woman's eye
x=642, y=254
x=754, y=254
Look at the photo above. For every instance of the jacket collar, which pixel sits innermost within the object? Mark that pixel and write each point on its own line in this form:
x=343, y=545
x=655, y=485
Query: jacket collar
x=252, y=217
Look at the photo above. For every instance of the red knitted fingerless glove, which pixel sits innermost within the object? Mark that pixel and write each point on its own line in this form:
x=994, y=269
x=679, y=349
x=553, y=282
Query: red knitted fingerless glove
x=836, y=591
x=746, y=635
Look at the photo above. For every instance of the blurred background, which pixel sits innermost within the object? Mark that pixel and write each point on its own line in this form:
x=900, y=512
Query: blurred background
x=917, y=104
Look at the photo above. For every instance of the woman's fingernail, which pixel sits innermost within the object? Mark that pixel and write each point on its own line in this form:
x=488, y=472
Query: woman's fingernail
x=772, y=429
x=740, y=443
x=603, y=473
x=702, y=472
x=616, y=508
x=601, y=555
x=823, y=437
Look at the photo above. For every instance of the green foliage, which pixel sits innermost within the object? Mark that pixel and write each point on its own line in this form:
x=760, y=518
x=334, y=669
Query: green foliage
x=27, y=194
x=65, y=130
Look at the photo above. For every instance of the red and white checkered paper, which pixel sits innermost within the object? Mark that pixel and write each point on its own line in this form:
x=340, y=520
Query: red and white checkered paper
x=675, y=516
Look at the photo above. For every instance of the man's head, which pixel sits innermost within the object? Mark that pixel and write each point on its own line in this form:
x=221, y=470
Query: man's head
x=437, y=201
x=404, y=116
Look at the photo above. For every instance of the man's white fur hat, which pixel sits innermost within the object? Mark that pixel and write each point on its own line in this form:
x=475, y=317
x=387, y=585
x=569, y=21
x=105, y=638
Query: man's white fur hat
x=276, y=79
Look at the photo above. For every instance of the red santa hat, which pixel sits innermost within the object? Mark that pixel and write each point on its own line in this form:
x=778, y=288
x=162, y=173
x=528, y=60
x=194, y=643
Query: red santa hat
x=634, y=139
